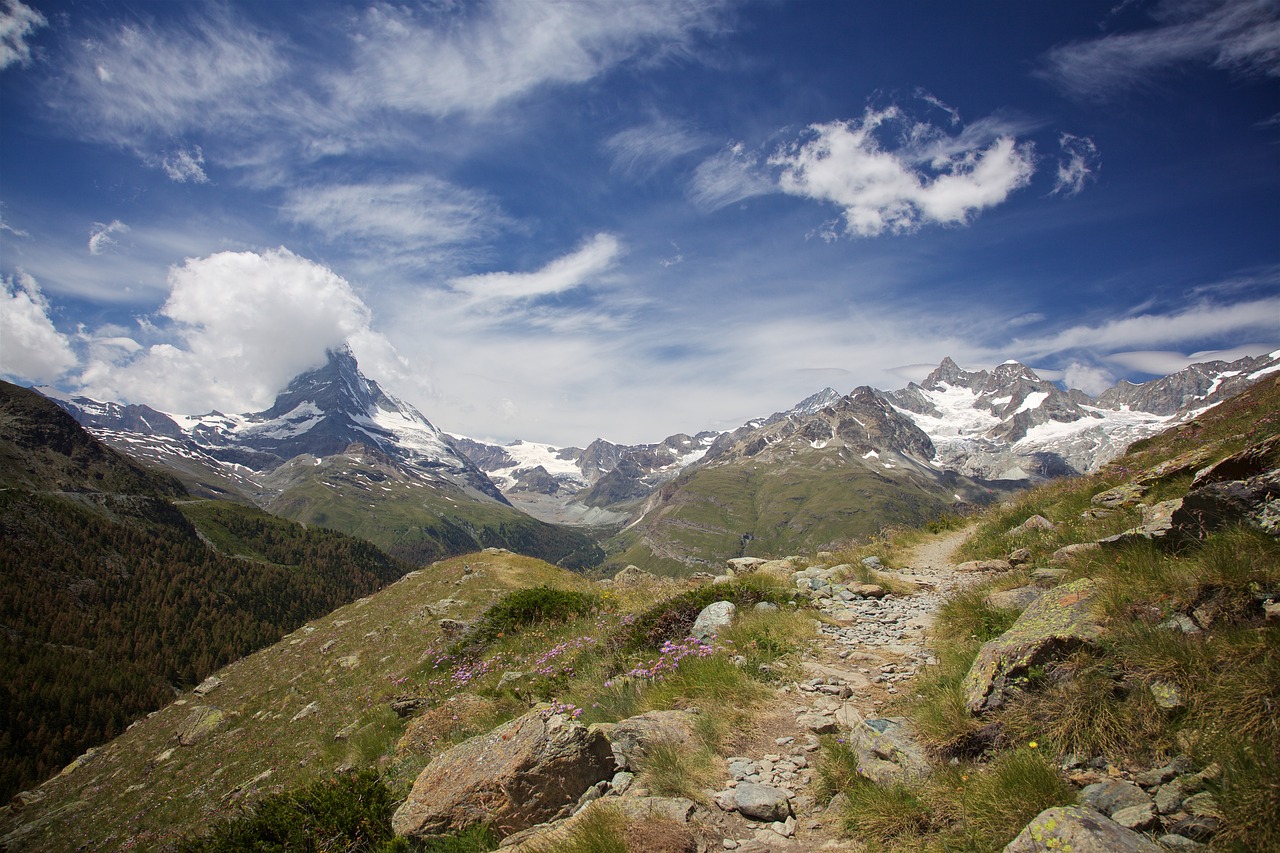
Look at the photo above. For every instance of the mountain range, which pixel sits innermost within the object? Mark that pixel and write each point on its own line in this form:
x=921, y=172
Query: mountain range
x=335, y=446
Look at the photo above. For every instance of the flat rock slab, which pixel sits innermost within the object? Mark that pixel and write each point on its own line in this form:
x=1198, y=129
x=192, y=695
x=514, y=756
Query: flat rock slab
x=887, y=750
x=1053, y=625
x=522, y=773
x=1080, y=830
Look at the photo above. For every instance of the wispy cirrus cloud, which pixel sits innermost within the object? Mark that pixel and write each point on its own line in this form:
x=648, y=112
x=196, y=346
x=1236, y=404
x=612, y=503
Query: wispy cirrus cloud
x=398, y=216
x=1080, y=161
x=132, y=84
x=1238, y=36
x=729, y=176
x=18, y=22
x=640, y=152
x=582, y=266
x=442, y=63
x=185, y=165
x=100, y=238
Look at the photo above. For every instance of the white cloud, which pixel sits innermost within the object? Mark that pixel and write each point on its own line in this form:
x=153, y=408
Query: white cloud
x=239, y=326
x=1238, y=36
x=731, y=175
x=438, y=63
x=100, y=235
x=403, y=216
x=139, y=82
x=1089, y=379
x=31, y=348
x=17, y=23
x=185, y=165
x=1079, y=162
x=1162, y=362
x=583, y=266
x=639, y=152
x=1200, y=322
x=928, y=178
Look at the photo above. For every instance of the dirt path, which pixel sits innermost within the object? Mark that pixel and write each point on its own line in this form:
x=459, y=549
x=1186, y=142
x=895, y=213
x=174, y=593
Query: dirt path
x=867, y=649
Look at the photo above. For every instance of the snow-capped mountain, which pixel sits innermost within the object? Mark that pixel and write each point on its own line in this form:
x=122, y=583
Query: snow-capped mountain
x=602, y=482
x=1011, y=424
x=322, y=413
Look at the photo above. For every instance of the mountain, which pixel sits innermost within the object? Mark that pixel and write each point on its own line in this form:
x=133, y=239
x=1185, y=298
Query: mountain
x=826, y=471
x=1011, y=424
x=332, y=447
x=803, y=481
x=113, y=593
x=603, y=483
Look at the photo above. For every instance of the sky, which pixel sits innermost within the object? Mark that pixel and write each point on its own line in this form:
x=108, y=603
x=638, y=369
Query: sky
x=557, y=220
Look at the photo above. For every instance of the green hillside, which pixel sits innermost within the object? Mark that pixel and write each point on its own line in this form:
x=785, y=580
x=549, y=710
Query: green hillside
x=363, y=496
x=810, y=502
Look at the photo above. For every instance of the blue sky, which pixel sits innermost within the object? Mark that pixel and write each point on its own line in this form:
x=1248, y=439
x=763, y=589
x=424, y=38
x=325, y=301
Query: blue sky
x=563, y=220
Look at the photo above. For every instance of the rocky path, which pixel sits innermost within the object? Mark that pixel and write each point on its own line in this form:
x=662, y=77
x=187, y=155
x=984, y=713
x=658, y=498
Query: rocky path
x=869, y=644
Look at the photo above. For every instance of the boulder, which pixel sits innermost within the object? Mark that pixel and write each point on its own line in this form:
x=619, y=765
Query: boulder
x=633, y=576
x=203, y=721
x=887, y=750
x=1035, y=522
x=761, y=802
x=630, y=738
x=1069, y=552
x=1157, y=523
x=1079, y=829
x=1055, y=624
x=1019, y=556
x=712, y=619
x=1125, y=495
x=522, y=773
x=656, y=824
x=746, y=565
x=209, y=685
x=1014, y=599
x=866, y=590
x=1113, y=795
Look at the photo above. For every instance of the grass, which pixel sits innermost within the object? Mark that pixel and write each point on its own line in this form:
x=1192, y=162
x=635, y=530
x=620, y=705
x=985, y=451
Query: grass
x=966, y=807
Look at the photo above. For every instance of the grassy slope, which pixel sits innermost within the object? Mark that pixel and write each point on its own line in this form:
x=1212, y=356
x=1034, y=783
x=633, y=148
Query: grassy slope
x=785, y=508
x=145, y=784
x=420, y=523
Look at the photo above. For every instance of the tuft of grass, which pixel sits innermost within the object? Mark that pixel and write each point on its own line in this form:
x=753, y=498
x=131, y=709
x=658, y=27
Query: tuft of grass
x=885, y=813
x=599, y=830
x=764, y=639
x=673, y=770
x=996, y=802
x=966, y=617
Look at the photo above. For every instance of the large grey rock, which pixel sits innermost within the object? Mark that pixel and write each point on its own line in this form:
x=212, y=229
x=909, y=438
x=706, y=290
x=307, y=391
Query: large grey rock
x=1079, y=829
x=713, y=618
x=522, y=773
x=761, y=802
x=1112, y=795
x=630, y=738
x=1069, y=552
x=1014, y=599
x=1056, y=623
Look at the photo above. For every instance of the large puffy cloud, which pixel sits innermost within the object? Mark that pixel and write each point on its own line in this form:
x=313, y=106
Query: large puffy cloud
x=31, y=348
x=1239, y=36
x=238, y=327
x=929, y=178
x=17, y=23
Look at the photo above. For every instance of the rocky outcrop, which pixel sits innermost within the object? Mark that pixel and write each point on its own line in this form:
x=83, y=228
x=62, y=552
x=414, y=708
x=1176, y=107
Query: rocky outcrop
x=714, y=618
x=1080, y=830
x=1056, y=623
x=887, y=751
x=631, y=738
x=522, y=773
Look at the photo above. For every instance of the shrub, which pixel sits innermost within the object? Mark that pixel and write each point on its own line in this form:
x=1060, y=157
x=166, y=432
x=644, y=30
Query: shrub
x=349, y=812
x=525, y=607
